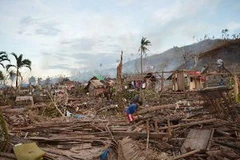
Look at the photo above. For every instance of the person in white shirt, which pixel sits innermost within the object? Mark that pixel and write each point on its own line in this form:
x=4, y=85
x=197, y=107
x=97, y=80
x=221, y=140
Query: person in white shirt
x=220, y=64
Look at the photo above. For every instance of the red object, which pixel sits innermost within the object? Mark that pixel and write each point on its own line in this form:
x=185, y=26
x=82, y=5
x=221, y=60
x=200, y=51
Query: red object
x=203, y=78
x=194, y=72
x=130, y=117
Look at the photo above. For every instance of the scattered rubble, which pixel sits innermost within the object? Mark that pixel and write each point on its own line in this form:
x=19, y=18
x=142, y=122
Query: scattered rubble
x=195, y=125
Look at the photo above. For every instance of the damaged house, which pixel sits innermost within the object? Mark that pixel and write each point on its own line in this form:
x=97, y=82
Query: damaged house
x=187, y=80
x=96, y=86
x=201, y=69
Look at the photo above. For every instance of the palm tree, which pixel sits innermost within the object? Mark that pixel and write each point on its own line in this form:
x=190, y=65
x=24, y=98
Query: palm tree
x=3, y=57
x=143, y=48
x=20, y=62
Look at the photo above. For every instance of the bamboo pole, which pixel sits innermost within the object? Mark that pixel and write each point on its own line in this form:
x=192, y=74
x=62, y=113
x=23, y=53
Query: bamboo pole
x=187, y=154
x=147, y=128
x=151, y=109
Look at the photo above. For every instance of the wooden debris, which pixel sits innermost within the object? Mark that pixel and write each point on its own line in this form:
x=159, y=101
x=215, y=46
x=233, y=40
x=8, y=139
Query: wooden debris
x=155, y=108
x=172, y=128
x=196, y=139
x=187, y=154
x=24, y=100
x=131, y=150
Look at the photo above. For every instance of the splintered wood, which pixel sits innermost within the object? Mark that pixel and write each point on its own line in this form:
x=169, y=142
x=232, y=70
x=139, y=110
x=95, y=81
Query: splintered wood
x=219, y=102
x=129, y=149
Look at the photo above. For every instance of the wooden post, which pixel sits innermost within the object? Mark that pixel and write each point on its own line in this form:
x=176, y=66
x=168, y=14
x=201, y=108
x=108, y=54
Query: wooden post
x=236, y=91
x=156, y=126
x=169, y=128
x=162, y=81
x=147, y=130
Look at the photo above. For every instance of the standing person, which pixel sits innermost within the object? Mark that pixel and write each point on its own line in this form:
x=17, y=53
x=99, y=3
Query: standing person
x=220, y=64
x=132, y=109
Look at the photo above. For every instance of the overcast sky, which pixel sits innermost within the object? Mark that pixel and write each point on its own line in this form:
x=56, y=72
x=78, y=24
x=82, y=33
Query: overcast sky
x=61, y=37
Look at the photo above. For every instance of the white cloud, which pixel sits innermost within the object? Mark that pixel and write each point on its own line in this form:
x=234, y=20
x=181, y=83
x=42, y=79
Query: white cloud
x=39, y=26
x=83, y=34
x=233, y=26
x=182, y=10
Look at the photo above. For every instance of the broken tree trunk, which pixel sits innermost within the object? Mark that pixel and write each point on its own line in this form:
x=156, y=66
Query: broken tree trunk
x=155, y=108
x=119, y=86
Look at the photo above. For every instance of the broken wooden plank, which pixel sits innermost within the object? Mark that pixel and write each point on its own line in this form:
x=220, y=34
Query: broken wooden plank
x=140, y=134
x=15, y=110
x=155, y=108
x=196, y=139
x=189, y=124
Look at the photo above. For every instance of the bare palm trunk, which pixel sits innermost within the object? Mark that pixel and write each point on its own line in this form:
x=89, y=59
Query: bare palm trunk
x=17, y=78
x=119, y=85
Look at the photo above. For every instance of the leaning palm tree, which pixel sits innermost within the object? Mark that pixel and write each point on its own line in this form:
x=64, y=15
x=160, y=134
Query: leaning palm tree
x=143, y=48
x=20, y=62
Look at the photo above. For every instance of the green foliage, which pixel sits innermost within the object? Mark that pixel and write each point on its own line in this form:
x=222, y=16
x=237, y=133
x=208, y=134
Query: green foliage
x=128, y=95
x=20, y=63
x=144, y=44
x=3, y=57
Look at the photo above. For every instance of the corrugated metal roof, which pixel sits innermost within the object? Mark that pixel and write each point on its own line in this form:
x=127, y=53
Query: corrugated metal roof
x=99, y=78
x=97, y=83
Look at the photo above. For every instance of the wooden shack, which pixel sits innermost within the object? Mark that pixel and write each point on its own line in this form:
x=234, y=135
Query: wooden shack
x=187, y=80
x=95, y=87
